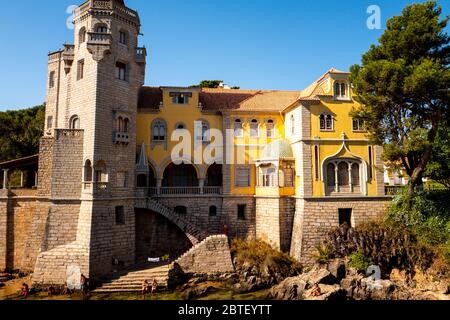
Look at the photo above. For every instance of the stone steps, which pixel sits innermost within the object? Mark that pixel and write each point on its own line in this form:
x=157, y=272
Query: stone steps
x=132, y=281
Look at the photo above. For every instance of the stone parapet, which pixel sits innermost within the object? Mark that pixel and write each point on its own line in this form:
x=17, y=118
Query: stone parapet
x=212, y=255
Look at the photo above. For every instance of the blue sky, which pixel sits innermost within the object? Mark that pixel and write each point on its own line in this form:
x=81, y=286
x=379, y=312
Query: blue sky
x=254, y=44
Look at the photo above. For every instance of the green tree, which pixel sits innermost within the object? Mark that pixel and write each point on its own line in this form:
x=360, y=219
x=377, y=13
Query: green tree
x=403, y=87
x=213, y=84
x=20, y=132
x=438, y=168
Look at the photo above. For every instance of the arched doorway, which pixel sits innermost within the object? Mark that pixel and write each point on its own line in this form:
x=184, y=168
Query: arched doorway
x=156, y=236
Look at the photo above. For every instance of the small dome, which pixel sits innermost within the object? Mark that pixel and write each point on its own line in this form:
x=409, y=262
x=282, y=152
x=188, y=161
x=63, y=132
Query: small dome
x=277, y=150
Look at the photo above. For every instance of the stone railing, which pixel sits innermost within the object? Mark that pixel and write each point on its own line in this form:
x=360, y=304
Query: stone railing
x=121, y=137
x=179, y=190
x=146, y=192
x=392, y=190
x=212, y=190
x=98, y=38
x=71, y=133
x=95, y=188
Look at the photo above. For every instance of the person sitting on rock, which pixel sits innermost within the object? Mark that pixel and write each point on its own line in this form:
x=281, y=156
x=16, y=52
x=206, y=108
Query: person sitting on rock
x=144, y=288
x=154, y=286
x=24, y=291
x=316, y=292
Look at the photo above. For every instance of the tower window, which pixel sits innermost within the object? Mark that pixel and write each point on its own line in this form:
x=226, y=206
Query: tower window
x=75, y=123
x=82, y=36
x=51, y=79
x=49, y=122
x=123, y=38
x=241, y=211
x=180, y=98
x=80, y=70
x=121, y=71
x=101, y=29
x=120, y=215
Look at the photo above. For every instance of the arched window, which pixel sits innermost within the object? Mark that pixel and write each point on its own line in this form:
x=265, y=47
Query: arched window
x=183, y=175
x=159, y=131
x=212, y=211
x=292, y=124
x=270, y=129
x=326, y=122
x=343, y=174
x=120, y=124
x=126, y=125
x=75, y=123
x=180, y=126
x=82, y=36
x=238, y=128
x=254, y=128
x=331, y=175
x=101, y=28
x=355, y=174
x=87, y=171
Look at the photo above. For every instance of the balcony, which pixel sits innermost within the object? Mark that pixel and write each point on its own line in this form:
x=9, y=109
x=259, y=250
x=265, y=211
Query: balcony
x=96, y=188
x=121, y=138
x=141, y=55
x=178, y=191
x=97, y=38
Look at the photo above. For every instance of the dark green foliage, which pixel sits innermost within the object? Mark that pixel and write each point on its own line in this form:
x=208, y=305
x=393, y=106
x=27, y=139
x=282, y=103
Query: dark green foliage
x=386, y=245
x=359, y=261
x=426, y=214
x=439, y=167
x=212, y=84
x=20, y=132
x=403, y=84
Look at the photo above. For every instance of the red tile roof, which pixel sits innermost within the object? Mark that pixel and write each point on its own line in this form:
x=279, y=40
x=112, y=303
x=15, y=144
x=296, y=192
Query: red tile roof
x=227, y=99
x=150, y=98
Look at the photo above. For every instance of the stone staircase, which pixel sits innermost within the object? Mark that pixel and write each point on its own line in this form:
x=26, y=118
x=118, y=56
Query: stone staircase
x=132, y=280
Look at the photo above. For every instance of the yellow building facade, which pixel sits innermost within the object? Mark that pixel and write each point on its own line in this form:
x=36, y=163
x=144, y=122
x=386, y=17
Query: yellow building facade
x=278, y=155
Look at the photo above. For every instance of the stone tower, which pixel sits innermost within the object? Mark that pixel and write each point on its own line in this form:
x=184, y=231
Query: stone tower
x=88, y=153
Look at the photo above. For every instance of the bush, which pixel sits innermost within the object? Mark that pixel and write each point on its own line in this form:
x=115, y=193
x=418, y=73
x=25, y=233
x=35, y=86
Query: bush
x=425, y=214
x=258, y=257
x=324, y=253
x=386, y=245
x=360, y=261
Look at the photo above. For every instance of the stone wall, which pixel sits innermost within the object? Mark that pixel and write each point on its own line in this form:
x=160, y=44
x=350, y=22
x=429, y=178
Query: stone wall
x=314, y=217
x=198, y=211
x=239, y=228
x=212, y=255
x=274, y=218
x=3, y=227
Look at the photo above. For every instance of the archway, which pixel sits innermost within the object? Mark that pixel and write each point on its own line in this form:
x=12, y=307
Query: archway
x=157, y=236
x=214, y=176
x=183, y=175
